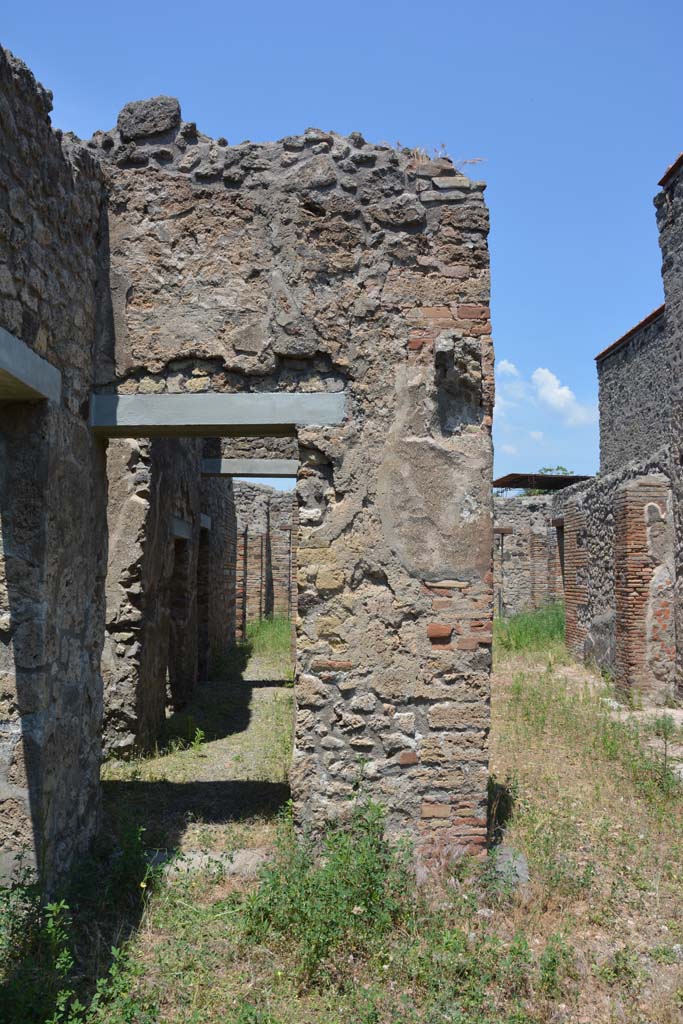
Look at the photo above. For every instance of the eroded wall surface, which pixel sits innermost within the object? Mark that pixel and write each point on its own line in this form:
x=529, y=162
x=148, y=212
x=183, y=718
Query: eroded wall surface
x=168, y=584
x=265, y=556
x=619, y=575
x=669, y=206
x=52, y=490
x=635, y=396
x=526, y=561
x=325, y=263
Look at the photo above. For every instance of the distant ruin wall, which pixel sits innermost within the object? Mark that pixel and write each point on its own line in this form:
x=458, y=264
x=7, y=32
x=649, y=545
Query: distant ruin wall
x=218, y=547
x=170, y=595
x=526, y=560
x=265, y=565
x=619, y=572
x=52, y=490
x=635, y=396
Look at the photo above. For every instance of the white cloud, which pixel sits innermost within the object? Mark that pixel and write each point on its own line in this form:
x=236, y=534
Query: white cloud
x=506, y=367
x=536, y=435
x=561, y=399
x=509, y=449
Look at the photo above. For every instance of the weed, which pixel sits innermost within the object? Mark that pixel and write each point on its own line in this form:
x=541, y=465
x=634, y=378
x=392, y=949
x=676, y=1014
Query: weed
x=555, y=966
x=270, y=637
x=344, y=899
x=622, y=967
x=197, y=740
x=248, y=1014
x=531, y=631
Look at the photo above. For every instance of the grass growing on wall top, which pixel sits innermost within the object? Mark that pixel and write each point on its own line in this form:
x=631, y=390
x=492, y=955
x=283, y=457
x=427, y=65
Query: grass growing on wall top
x=531, y=631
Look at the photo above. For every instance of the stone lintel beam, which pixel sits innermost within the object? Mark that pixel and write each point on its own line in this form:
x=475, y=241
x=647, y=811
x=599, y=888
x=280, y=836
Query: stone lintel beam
x=181, y=528
x=558, y=522
x=250, y=467
x=214, y=414
x=204, y=522
x=502, y=531
x=24, y=375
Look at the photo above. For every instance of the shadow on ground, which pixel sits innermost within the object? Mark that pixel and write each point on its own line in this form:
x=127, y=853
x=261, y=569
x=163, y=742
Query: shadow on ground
x=165, y=809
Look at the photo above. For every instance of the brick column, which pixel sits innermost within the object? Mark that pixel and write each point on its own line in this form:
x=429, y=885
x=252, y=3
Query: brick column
x=645, y=649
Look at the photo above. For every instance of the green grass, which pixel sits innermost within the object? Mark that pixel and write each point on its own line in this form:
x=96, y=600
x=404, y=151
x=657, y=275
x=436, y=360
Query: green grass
x=531, y=631
x=270, y=638
x=268, y=643
x=337, y=930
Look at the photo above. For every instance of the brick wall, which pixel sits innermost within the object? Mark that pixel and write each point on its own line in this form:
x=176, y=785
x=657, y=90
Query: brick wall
x=645, y=646
x=619, y=573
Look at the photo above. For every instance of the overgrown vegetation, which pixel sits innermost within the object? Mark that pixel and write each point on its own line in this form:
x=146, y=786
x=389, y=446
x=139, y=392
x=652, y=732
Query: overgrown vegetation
x=337, y=931
x=268, y=642
x=541, y=630
x=66, y=961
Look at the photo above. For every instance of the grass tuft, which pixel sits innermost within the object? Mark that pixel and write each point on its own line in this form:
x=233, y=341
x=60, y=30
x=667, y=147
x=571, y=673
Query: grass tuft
x=531, y=631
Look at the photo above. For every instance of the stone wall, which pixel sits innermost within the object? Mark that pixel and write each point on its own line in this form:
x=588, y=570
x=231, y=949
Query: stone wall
x=52, y=490
x=526, y=555
x=325, y=263
x=181, y=264
x=634, y=378
x=669, y=206
x=265, y=563
x=218, y=546
x=165, y=609
x=619, y=575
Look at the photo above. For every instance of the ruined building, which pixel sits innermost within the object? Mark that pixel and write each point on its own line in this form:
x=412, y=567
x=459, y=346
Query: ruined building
x=528, y=554
x=619, y=534
x=161, y=290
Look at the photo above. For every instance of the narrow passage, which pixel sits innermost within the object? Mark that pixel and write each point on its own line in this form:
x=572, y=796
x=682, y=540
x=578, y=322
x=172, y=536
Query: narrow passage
x=221, y=776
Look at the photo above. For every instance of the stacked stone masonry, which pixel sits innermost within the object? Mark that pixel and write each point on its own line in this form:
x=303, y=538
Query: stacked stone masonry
x=265, y=564
x=635, y=394
x=619, y=576
x=526, y=554
x=669, y=206
x=154, y=260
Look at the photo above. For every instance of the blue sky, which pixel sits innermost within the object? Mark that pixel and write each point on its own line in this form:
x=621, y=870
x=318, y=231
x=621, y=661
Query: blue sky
x=574, y=109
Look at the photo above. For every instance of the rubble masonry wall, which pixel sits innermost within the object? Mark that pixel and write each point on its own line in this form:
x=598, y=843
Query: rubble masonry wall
x=52, y=490
x=325, y=263
x=635, y=396
x=619, y=574
x=526, y=562
x=669, y=206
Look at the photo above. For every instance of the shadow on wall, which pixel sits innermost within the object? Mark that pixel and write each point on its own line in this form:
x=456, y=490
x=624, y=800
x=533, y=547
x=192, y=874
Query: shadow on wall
x=51, y=555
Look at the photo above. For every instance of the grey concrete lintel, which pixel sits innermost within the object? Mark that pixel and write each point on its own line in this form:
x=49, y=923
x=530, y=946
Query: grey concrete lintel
x=24, y=375
x=181, y=528
x=250, y=467
x=214, y=414
x=204, y=522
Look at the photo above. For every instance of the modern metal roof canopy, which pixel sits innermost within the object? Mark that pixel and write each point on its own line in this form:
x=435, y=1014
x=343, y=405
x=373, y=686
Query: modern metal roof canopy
x=539, y=481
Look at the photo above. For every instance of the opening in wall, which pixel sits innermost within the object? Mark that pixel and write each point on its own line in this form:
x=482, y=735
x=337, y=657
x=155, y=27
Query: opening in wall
x=203, y=653
x=181, y=656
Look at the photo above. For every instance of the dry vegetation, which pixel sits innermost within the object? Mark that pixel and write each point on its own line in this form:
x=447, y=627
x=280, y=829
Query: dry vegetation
x=595, y=935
